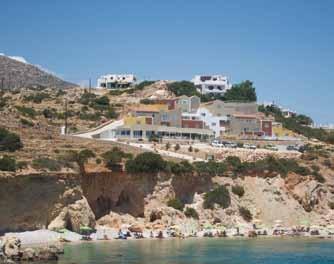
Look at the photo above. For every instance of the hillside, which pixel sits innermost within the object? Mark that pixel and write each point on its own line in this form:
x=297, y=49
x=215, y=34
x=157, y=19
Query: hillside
x=16, y=74
x=80, y=183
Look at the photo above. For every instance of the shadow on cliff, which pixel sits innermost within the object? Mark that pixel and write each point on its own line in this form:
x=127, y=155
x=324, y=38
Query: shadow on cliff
x=118, y=192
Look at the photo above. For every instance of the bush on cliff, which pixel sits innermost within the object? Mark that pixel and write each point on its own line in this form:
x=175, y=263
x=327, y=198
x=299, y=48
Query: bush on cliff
x=180, y=168
x=245, y=214
x=7, y=163
x=191, y=213
x=210, y=168
x=46, y=163
x=220, y=196
x=238, y=190
x=176, y=204
x=114, y=157
x=147, y=162
x=9, y=141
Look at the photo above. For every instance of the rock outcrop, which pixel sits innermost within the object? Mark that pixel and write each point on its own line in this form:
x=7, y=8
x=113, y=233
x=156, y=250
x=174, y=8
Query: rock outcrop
x=12, y=252
x=74, y=216
x=33, y=201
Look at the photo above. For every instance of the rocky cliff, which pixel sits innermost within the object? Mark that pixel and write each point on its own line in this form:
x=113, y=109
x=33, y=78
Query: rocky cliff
x=33, y=201
x=55, y=200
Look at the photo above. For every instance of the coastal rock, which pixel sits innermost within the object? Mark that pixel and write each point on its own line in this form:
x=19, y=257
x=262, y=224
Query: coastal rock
x=115, y=220
x=74, y=216
x=80, y=214
x=60, y=221
x=29, y=254
x=11, y=248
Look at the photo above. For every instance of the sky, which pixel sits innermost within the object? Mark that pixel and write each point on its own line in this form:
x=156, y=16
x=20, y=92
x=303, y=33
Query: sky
x=285, y=47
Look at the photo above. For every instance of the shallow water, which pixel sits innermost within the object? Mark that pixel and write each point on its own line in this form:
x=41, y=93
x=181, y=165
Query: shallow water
x=200, y=251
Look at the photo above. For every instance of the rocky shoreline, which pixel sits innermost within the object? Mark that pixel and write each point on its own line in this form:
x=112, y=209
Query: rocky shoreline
x=13, y=252
x=46, y=245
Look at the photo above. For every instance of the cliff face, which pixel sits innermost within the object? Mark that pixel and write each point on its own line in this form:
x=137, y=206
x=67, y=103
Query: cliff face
x=56, y=200
x=29, y=202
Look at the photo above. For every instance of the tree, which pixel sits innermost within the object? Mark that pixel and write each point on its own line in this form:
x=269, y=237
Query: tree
x=241, y=92
x=114, y=157
x=9, y=141
x=147, y=162
x=183, y=88
x=81, y=158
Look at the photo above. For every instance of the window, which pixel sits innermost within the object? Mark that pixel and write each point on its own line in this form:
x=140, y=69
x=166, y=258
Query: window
x=137, y=133
x=164, y=117
x=213, y=124
x=210, y=87
x=202, y=114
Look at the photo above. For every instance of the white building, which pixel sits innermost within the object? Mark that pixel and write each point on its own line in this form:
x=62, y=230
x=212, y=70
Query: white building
x=217, y=84
x=213, y=122
x=116, y=81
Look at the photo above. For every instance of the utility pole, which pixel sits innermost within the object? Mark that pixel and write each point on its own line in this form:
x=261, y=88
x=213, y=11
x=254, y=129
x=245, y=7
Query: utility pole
x=90, y=85
x=65, y=117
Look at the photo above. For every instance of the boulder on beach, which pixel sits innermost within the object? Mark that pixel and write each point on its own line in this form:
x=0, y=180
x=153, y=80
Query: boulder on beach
x=74, y=216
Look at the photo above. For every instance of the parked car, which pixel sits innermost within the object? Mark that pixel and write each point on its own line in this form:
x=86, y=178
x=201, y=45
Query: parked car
x=292, y=148
x=249, y=146
x=217, y=144
x=271, y=147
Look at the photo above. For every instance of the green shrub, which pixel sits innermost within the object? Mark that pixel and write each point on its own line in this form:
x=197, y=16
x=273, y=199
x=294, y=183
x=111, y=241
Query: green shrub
x=9, y=141
x=46, y=163
x=245, y=214
x=318, y=177
x=177, y=147
x=191, y=213
x=49, y=113
x=190, y=149
x=180, y=168
x=114, y=157
x=90, y=116
x=210, y=168
x=183, y=88
x=101, y=103
x=220, y=196
x=176, y=204
x=147, y=162
x=167, y=146
x=26, y=122
x=238, y=190
x=27, y=111
x=86, y=98
x=7, y=163
x=37, y=97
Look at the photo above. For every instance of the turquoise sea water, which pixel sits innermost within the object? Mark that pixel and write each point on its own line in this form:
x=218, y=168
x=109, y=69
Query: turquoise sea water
x=202, y=251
